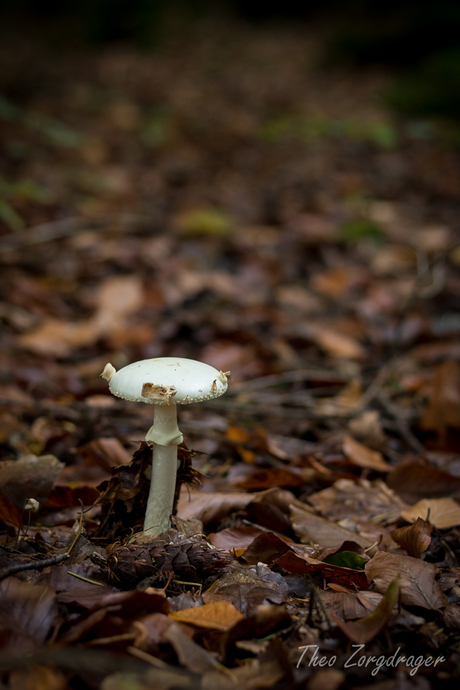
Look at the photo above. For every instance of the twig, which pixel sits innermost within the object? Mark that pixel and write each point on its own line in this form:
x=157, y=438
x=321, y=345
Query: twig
x=44, y=232
x=33, y=565
x=78, y=530
x=63, y=227
x=287, y=377
x=85, y=579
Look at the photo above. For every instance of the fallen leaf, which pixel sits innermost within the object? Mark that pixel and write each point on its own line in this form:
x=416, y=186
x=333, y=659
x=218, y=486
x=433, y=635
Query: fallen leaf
x=295, y=563
x=415, y=539
x=441, y=512
x=190, y=654
x=418, y=480
x=363, y=456
x=350, y=605
x=443, y=408
x=417, y=579
x=365, y=629
x=335, y=282
x=220, y=615
x=249, y=588
x=318, y=530
x=337, y=344
x=29, y=613
x=29, y=477
x=361, y=500
x=210, y=507
x=105, y=452
x=58, y=338
x=368, y=430
x=238, y=537
x=118, y=297
x=344, y=402
x=252, y=478
x=266, y=548
x=9, y=512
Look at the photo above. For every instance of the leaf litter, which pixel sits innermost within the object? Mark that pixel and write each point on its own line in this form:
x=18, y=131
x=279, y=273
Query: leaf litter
x=319, y=505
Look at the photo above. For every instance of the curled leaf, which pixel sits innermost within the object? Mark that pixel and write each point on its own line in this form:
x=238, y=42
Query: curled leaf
x=415, y=539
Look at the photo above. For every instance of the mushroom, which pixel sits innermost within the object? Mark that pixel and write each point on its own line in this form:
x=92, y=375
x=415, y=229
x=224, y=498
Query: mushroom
x=164, y=382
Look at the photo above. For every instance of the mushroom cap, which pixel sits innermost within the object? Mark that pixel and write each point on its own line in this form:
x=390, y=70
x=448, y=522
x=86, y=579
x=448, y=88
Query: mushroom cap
x=168, y=381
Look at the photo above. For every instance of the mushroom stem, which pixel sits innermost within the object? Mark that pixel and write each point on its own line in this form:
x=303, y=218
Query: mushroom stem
x=166, y=436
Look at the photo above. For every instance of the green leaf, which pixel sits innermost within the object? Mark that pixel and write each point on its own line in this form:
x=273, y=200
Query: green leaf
x=346, y=559
x=360, y=229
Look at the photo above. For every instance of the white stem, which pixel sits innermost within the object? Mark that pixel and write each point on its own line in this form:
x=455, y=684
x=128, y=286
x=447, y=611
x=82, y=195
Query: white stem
x=165, y=435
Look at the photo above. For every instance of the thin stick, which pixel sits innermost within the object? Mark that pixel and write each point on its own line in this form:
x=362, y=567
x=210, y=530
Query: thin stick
x=33, y=565
x=86, y=579
x=287, y=377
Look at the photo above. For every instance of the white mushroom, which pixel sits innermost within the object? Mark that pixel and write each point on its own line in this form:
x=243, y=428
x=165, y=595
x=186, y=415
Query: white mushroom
x=164, y=382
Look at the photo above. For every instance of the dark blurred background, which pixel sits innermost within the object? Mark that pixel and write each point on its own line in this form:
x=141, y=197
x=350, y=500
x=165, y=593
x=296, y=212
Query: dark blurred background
x=420, y=39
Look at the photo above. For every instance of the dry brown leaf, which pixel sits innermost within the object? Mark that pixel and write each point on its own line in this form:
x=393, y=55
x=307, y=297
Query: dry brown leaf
x=210, y=507
x=417, y=480
x=345, y=402
x=443, y=409
x=29, y=477
x=337, y=344
x=441, y=512
x=368, y=430
x=417, y=579
x=238, y=537
x=365, y=629
x=191, y=655
x=415, y=539
x=59, y=338
x=104, y=452
x=9, y=512
x=329, y=535
x=220, y=615
x=363, y=456
x=120, y=296
x=335, y=282
x=362, y=500
x=295, y=563
x=28, y=612
x=350, y=605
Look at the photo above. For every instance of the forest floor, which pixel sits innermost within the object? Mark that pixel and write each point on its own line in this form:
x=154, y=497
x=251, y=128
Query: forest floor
x=228, y=199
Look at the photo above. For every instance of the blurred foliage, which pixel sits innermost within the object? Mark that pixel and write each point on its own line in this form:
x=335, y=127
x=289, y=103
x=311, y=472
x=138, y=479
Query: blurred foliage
x=54, y=131
x=310, y=128
x=361, y=229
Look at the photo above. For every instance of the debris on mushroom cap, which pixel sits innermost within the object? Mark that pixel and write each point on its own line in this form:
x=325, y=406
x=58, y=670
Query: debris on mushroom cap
x=150, y=391
x=108, y=372
x=166, y=381
x=223, y=376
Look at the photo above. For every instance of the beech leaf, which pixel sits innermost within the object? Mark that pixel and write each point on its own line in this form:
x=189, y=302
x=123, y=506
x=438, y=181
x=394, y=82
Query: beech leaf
x=365, y=629
x=417, y=579
x=415, y=539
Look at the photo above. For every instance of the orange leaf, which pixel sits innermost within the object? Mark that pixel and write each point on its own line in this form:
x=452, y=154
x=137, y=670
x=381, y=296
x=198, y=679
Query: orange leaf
x=220, y=615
